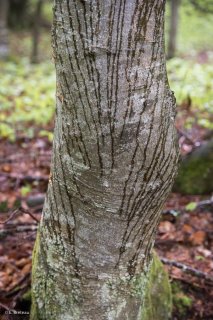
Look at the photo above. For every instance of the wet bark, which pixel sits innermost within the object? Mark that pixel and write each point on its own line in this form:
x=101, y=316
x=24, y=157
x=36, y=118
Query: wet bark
x=4, y=37
x=114, y=160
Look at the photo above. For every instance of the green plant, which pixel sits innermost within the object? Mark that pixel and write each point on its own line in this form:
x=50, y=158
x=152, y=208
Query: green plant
x=26, y=97
x=193, y=81
x=181, y=301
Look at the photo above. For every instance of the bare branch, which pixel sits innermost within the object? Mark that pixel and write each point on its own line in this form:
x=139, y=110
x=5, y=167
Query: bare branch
x=194, y=272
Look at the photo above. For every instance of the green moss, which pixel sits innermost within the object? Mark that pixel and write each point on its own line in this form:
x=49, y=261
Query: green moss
x=27, y=296
x=33, y=311
x=156, y=288
x=158, y=296
x=196, y=172
x=181, y=302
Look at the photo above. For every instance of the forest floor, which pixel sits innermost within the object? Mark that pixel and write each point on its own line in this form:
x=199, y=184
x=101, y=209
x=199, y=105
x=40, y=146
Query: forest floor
x=184, y=234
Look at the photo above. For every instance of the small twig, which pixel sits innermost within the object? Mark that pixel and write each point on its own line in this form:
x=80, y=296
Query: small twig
x=19, y=210
x=3, y=306
x=26, y=228
x=27, y=178
x=189, y=270
x=30, y=214
x=203, y=203
x=15, y=224
x=12, y=215
x=5, y=232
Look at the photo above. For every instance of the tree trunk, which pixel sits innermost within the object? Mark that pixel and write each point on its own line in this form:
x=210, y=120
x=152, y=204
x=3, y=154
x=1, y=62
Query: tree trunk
x=175, y=4
x=114, y=160
x=36, y=32
x=4, y=39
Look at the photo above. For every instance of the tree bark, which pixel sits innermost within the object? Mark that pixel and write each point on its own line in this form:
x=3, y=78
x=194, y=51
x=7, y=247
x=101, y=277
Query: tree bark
x=114, y=160
x=175, y=4
x=4, y=38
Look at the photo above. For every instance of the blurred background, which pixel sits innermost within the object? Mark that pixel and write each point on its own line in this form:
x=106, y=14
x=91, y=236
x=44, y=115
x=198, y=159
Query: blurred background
x=27, y=104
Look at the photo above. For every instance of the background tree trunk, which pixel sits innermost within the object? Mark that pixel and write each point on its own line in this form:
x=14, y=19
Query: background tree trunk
x=114, y=160
x=36, y=31
x=175, y=4
x=4, y=38
x=19, y=15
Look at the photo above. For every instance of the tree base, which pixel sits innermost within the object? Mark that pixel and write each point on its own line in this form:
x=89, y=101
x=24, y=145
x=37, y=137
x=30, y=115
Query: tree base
x=157, y=297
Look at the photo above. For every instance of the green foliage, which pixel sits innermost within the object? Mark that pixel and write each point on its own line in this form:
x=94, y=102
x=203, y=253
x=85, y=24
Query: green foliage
x=191, y=206
x=194, y=81
x=4, y=206
x=48, y=134
x=195, y=32
x=25, y=190
x=181, y=301
x=26, y=97
x=47, y=11
x=203, y=6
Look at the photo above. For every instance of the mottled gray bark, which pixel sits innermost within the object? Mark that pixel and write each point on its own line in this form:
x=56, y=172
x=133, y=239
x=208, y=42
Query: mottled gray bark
x=114, y=160
x=175, y=4
x=4, y=39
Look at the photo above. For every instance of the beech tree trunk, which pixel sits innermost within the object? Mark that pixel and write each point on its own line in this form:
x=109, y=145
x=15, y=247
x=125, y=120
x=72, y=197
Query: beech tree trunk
x=114, y=160
x=4, y=39
x=175, y=4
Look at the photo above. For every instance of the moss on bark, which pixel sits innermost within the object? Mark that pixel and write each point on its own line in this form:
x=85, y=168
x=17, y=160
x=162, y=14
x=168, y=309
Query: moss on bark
x=158, y=296
x=196, y=171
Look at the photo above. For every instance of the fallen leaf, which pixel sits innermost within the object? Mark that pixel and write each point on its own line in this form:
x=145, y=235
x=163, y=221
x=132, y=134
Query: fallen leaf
x=198, y=238
x=6, y=168
x=166, y=227
x=187, y=229
x=27, y=268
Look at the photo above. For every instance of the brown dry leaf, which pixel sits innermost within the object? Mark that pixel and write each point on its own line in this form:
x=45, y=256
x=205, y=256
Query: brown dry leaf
x=166, y=227
x=27, y=268
x=5, y=281
x=205, y=252
x=6, y=168
x=9, y=270
x=178, y=236
x=22, y=262
x=187, y=229
x=199, y=223
x=198, y=238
